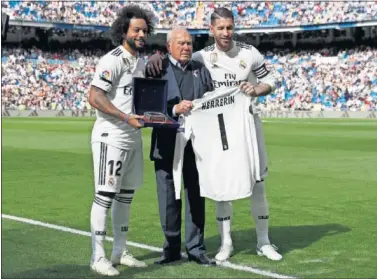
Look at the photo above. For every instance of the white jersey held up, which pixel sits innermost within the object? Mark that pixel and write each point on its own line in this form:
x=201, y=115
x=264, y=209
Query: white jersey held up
x=242, y=62
x=223, y=137
x=114, y=75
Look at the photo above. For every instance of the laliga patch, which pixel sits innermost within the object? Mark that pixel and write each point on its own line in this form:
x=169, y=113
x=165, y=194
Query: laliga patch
x=105, y=76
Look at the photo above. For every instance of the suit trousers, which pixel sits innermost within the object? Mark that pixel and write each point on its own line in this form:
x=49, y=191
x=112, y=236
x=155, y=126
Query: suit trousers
x=170, y=208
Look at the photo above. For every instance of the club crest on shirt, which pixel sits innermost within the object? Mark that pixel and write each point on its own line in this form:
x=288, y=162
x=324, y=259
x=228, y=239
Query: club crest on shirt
x=242, y=64
x=111, y=181
x=105, y=74
x=195, y=73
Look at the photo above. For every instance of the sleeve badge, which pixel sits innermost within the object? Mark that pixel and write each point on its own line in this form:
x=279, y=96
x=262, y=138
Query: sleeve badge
x=105, y=75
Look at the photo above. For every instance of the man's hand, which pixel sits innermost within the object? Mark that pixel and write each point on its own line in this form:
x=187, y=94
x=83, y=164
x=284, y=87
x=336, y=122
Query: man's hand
x=133, y=120
x=154, y=65
x=248, y=89
x=183, y=107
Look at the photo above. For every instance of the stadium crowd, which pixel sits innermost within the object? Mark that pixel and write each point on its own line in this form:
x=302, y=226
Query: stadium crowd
x=324, y=80
x=32, y=79
x=194, y=14
x=327, y=79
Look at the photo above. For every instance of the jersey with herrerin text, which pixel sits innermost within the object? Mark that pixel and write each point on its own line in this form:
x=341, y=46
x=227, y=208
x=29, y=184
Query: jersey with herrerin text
x=223, y=137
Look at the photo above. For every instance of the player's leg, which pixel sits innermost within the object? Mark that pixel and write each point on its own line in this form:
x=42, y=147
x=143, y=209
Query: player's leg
x=224, y=212
x=132, y=179
x=259, y=204
x=103, y=199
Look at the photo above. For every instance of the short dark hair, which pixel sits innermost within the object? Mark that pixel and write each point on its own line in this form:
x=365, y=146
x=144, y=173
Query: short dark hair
x=122, y=22
x=221, y=13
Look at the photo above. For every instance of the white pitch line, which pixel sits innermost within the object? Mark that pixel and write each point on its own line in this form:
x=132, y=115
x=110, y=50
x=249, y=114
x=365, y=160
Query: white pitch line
x=145, y=247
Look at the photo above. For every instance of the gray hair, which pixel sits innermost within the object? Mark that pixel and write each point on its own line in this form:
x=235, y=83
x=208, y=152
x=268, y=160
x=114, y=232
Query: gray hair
x=172, y=32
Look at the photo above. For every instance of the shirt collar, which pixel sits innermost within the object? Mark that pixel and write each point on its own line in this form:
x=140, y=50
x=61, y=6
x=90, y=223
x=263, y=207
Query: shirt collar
x=127, y=54
x=177, y=64
x=233, y=48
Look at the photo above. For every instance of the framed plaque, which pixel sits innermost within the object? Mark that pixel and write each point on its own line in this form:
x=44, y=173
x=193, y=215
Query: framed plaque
x=150, y=100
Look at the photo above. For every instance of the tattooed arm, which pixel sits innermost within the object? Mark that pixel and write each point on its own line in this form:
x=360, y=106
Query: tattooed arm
x=98, y=100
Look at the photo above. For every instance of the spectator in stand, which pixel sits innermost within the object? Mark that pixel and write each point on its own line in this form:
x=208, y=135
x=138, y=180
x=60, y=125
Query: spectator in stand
x=327, y=79
x=195, y=14
x=324, y=80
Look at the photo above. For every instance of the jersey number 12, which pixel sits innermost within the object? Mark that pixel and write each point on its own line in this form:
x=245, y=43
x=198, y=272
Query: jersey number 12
x=118, y=165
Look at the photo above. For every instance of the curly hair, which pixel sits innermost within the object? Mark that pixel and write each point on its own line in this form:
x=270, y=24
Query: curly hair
x=122, y=22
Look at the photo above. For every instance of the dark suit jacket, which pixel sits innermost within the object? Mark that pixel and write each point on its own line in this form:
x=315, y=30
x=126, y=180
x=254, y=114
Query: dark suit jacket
x=163, y=139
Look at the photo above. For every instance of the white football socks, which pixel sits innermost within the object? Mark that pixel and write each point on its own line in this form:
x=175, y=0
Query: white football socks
x=259, y=211
x=98, y=216
x=120, y=220
x=224, y=212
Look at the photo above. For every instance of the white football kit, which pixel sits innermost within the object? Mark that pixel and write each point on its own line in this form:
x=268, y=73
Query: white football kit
x=242, y=62
x=116, y=146
x=222, y=133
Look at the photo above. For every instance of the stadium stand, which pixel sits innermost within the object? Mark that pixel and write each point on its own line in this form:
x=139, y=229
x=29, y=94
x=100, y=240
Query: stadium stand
x=329, y=79
x=307, y=80
x=194, y=14
x=310, y=77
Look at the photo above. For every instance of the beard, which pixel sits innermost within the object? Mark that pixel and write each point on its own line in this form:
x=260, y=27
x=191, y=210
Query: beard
x=132, y=44
x=225, y=45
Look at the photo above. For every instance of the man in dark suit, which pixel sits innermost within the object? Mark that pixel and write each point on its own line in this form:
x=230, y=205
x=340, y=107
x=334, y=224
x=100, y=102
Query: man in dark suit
x=187, y=80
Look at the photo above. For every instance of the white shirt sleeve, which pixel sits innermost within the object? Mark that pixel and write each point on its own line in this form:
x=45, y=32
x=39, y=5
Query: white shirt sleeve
x=198, y=56
x=107, y=72
x=260, y=70
x=180, y=144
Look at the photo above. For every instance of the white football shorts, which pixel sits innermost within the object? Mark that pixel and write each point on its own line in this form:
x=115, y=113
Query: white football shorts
x=116, y=169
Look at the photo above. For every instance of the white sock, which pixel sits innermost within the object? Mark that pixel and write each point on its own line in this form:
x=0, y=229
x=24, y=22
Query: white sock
x=259, y=211
x=224, y=216
x=98, y=216
x=120, y=218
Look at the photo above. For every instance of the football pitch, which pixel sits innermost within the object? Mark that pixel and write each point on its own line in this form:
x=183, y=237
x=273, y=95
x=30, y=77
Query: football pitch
x=322, y=192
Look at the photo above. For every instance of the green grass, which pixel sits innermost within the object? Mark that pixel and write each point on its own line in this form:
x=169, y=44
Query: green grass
x=321, y=190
